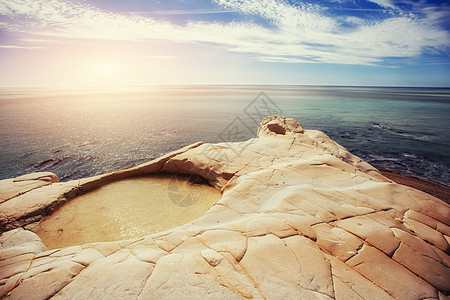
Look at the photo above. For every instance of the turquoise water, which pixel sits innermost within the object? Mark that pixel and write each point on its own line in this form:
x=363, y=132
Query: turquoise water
x=82, y=133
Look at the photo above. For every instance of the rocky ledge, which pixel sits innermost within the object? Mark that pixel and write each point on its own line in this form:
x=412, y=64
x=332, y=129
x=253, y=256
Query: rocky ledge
x=300, y=217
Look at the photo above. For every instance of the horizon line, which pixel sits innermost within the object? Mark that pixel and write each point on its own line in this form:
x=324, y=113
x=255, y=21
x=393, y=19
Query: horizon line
x=214, y=84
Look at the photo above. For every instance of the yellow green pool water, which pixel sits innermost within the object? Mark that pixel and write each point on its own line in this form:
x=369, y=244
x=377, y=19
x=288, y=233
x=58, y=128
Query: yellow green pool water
x=129, y=208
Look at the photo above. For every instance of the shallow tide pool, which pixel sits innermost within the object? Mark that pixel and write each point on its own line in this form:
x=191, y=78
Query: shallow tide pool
x=125, y=209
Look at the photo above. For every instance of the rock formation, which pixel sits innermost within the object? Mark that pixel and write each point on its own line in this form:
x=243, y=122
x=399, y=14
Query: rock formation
x=300, y=218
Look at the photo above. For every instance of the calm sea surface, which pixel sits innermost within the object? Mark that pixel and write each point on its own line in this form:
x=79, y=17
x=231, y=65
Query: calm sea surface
x=79, y=133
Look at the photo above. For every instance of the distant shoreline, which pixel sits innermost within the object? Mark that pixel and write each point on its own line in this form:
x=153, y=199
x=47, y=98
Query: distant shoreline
x=433, y=188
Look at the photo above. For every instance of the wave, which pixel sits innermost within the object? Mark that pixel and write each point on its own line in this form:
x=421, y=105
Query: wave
x=88, y=145
x=429, y=167
x=49, y=163
x=427, y=137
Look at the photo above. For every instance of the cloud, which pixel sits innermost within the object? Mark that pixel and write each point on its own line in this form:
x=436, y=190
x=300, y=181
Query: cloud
x=177, y=12
x=282, y=59
x=19, y=47
x=294, y=34
x=301, y=17
x=384, y=3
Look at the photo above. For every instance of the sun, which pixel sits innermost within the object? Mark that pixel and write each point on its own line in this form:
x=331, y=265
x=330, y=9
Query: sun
x=103, y=69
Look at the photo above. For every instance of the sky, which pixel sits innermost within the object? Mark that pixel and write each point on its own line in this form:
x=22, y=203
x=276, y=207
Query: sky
x=87, y=43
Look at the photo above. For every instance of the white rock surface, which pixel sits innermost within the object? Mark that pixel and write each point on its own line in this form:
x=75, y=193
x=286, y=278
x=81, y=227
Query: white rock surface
x=300, y=217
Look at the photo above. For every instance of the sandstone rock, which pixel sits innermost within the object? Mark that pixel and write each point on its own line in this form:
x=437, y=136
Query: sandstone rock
x=350, y=284
x=427, y=233
x=300, y=217
x=33, y=205
x=45, y=281
x=273, y=125
x=371, y=231
x=117, y=276
x=17, y=237
x=10, y=188
x=278, y=270
x=337, y=241
x=394, y=278
x=431, y=270
x=41, y=176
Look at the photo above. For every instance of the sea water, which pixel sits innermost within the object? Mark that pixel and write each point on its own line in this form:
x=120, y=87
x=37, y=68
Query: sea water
x=85, y=132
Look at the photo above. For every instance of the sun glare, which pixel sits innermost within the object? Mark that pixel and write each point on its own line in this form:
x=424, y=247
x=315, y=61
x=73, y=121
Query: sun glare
x=103, y=69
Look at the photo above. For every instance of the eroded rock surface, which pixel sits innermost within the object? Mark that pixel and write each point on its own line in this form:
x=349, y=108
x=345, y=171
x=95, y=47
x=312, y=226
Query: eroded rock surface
x=300, y=217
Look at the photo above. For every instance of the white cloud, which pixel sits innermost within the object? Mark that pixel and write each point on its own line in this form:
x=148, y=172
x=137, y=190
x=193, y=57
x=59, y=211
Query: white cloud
x=301, y=33
x=302, y=17
x=177, y=12
x=282, y=59
x=19, y=47
x=384, y=3
x=38, y=41
x=354, y=20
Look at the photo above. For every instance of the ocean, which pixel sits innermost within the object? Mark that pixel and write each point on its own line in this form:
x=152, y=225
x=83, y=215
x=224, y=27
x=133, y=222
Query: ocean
x=86, y=132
